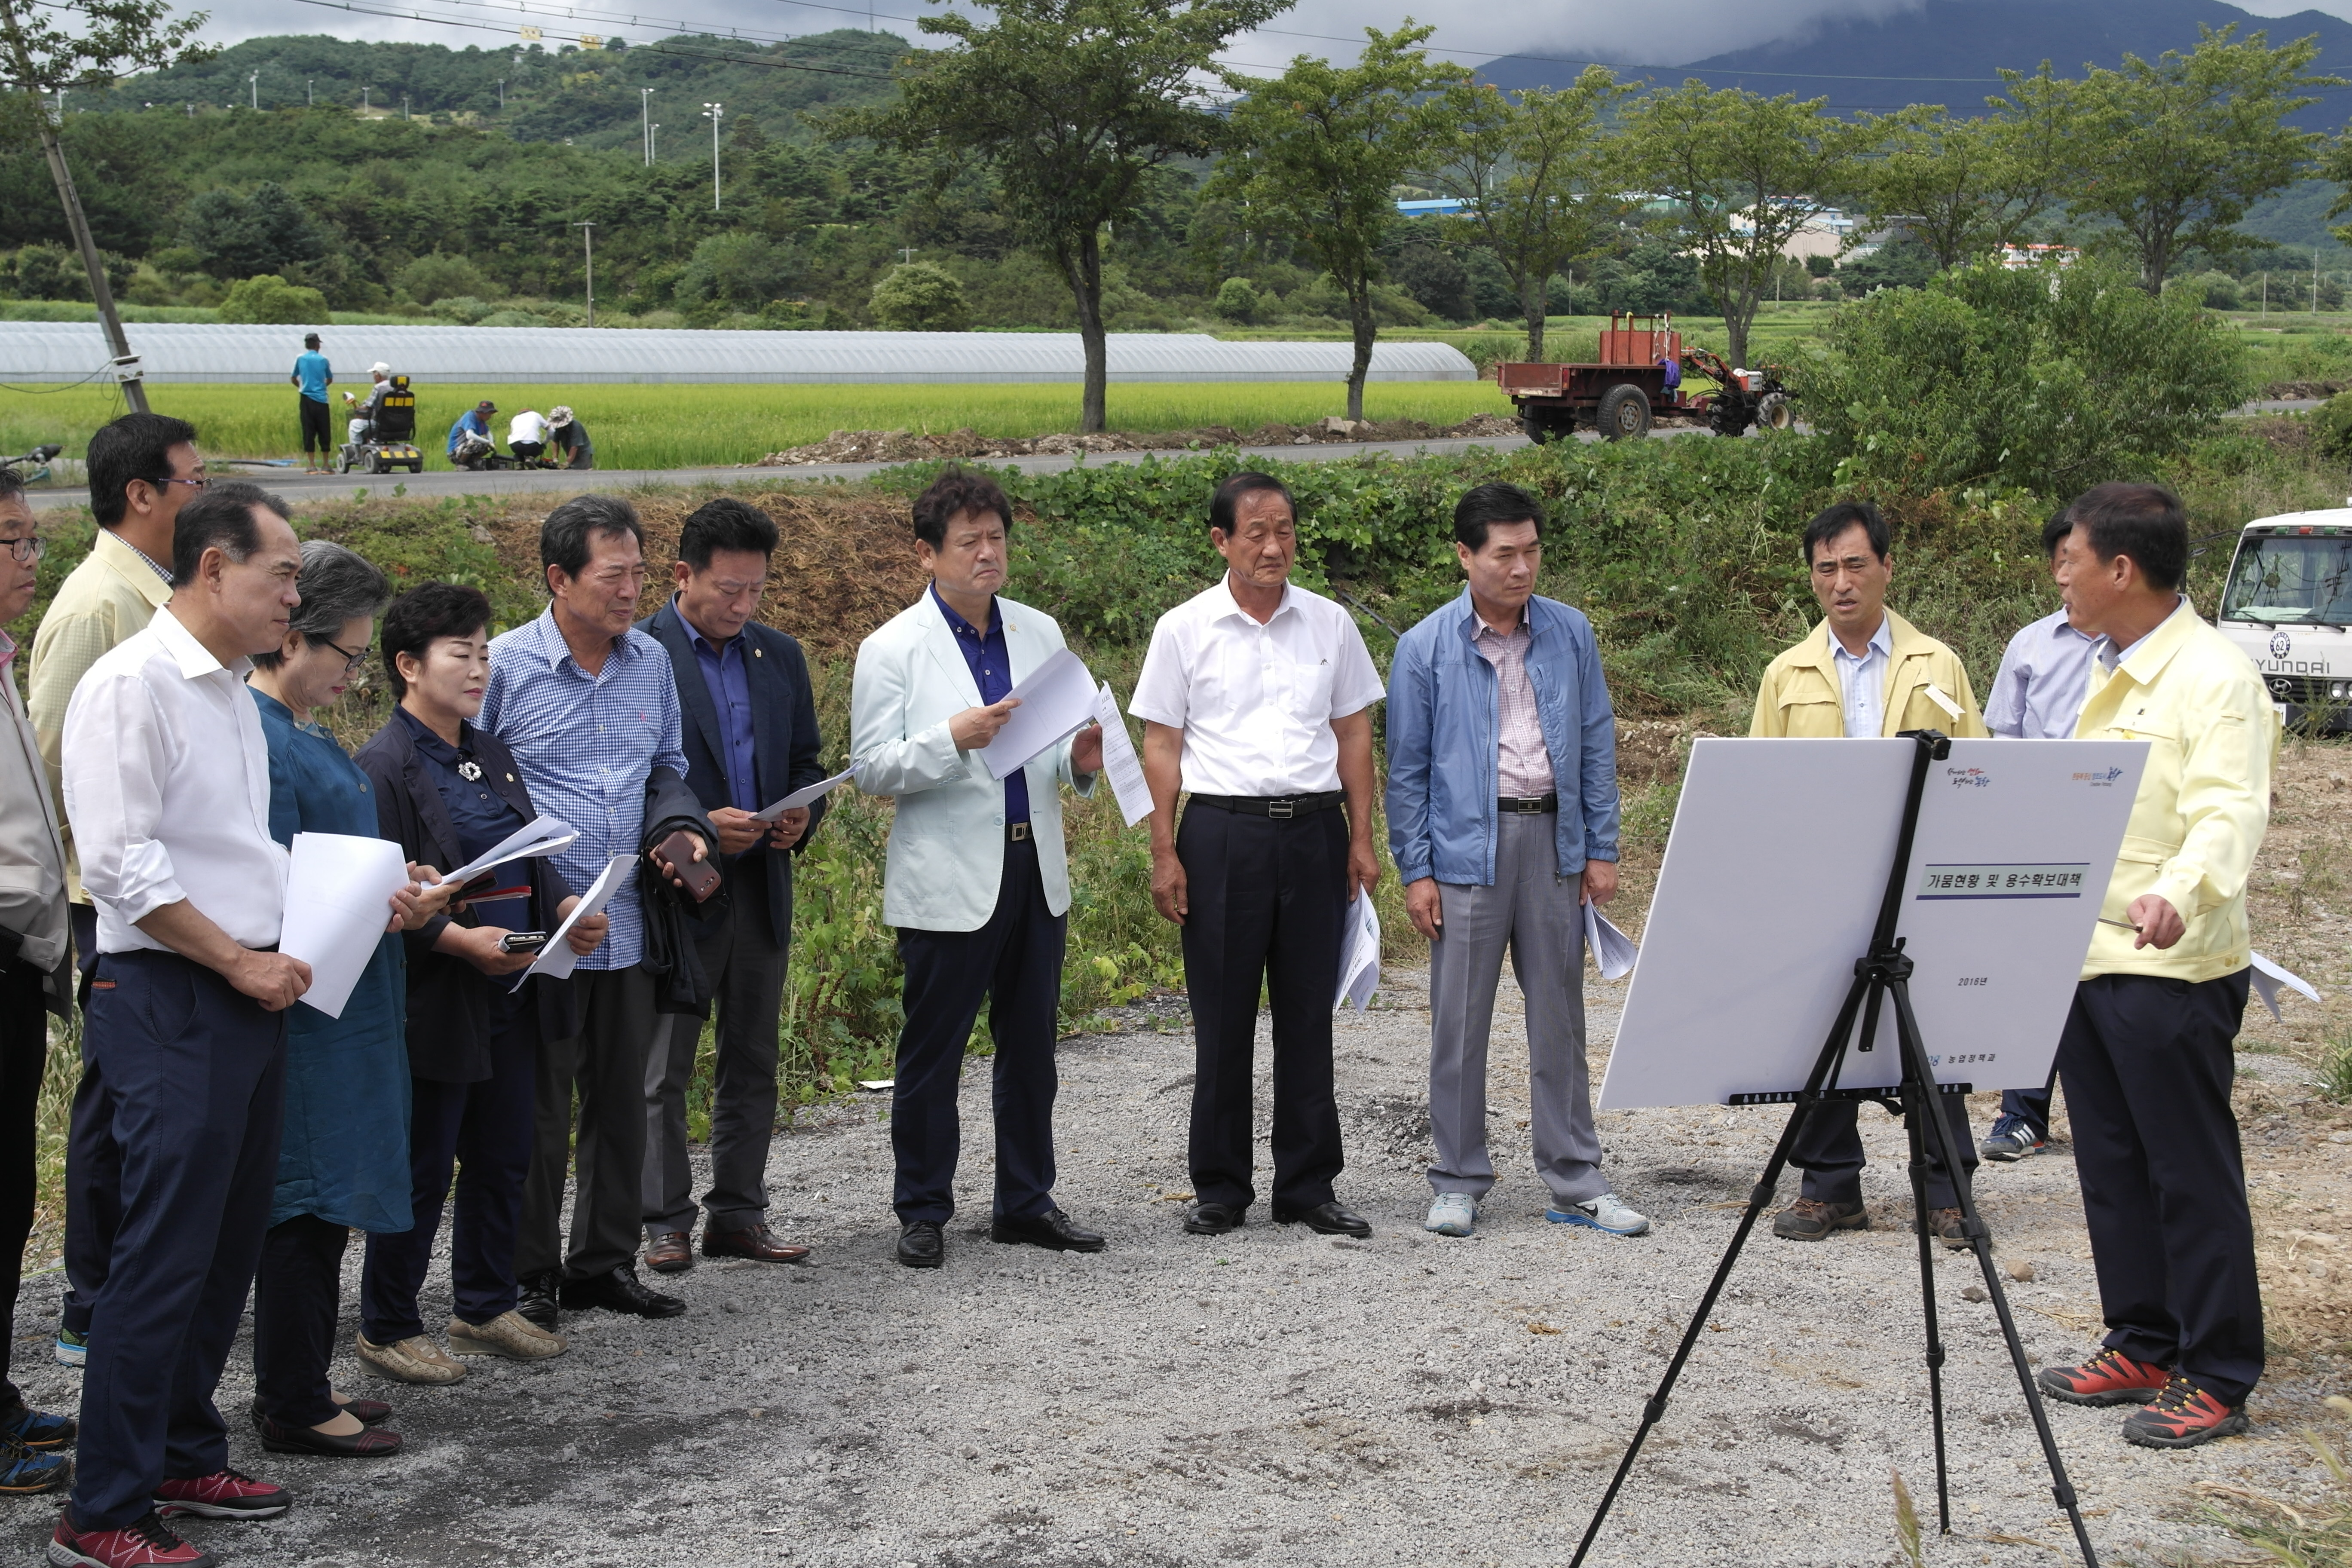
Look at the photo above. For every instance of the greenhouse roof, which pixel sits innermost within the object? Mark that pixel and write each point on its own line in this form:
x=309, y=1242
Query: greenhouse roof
x=72, y=352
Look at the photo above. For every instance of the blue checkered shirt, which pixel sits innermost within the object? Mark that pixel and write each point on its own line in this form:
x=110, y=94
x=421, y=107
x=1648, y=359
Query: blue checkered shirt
x=587, y=743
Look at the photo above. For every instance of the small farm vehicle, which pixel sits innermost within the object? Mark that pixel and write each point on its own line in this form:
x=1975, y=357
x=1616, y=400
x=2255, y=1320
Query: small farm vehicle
x=1620, y=393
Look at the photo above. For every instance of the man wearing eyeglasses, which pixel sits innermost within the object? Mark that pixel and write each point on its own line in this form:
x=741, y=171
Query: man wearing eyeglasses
x=751, y=738
x=143, y=467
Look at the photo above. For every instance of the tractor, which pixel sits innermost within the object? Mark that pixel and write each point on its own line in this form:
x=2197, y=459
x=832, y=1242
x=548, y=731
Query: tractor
x=1619, y=394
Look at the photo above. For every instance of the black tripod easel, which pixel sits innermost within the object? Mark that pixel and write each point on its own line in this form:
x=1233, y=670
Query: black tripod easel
x=1882, y=974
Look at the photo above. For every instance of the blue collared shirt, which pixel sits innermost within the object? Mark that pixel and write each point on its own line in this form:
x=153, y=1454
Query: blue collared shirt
x=991, y=671
x=2044, y=675
x=314, y=373
x=587, y=744
x=468, y=423
x=727, y=675
x=1861, y=683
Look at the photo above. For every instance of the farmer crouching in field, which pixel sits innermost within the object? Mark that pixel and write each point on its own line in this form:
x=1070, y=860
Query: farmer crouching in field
x=1503, y=818
x=1865, y=670
x=2148, y=1053
x=978, y=882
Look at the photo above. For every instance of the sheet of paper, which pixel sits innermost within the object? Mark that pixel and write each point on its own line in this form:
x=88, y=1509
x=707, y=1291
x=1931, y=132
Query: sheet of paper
x=338, y=903
x=1752, y=935
x=1612, y=949
x=1359, y=954
x=2269, y=975
x=540, y=835
x=1121, y=764
x=1058, y=698
x=805, y=793
x=556, y=959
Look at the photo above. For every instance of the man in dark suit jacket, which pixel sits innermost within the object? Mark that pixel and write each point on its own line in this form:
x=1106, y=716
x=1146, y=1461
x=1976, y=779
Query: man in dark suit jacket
x=751, y=738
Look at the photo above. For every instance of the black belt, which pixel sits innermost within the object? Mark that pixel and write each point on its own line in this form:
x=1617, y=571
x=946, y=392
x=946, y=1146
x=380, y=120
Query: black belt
x=1277, y=807
x=1527, y=804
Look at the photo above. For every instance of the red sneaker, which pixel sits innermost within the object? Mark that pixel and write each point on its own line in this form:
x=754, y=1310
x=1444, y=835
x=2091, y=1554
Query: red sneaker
x=2106, y=1378
x=145, y=1542
x=2183, y=1417
x=224, y=1494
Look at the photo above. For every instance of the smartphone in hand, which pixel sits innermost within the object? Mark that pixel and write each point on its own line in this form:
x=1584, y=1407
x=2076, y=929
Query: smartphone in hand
x=676, y=855
x=522, y=942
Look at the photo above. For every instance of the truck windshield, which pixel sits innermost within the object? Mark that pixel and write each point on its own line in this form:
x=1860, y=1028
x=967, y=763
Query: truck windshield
x=2289, y=577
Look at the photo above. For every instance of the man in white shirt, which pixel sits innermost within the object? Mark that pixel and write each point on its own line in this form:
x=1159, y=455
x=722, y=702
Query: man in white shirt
x=2038, y=691
x=1256, y=700
x=527, y=435
x=167, y=781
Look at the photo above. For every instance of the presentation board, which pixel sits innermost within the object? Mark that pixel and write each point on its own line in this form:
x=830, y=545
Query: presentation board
x=1773, y=879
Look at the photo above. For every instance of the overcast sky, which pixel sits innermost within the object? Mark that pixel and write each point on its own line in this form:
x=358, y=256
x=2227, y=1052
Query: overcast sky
x=1640, y=33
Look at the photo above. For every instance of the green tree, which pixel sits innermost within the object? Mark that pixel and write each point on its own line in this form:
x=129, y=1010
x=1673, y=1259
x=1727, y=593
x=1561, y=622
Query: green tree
x=921, y=298
x=1744, y=174
x=2174, y=152
x=1073, y=104
x=1316, y=155
x=1532, y=171
x=269, y=300
x=1965, y=186
x=238, y=236
x=1237, y=300
x=2046, y=378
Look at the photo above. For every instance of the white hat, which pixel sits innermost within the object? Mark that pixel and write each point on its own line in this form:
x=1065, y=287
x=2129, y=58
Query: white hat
x=558, y=415
x=379, y=368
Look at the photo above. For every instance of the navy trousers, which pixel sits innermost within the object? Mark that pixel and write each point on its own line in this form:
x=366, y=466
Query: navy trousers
x=89, y=1220
x=484, y=1130
x=192, y=1079
x=2148, y=1064
x=297, y=1299
x=1829, y=1150
x=1014, y=963
x=1268, y=899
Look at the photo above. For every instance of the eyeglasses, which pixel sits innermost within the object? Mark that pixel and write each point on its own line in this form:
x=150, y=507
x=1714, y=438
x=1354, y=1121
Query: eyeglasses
x=29, y=549
x=352, y=661
x=199, y=482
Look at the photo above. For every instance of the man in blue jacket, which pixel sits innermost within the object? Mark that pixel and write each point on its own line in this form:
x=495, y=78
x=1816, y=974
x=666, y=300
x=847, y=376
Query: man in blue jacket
x=1502, y=805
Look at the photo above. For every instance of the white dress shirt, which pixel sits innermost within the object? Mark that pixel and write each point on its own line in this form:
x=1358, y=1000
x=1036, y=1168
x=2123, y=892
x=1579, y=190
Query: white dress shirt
x=525, y=427
x=167, y=786
x=1255, y=702
x=2044, y=674
x=1861, y=683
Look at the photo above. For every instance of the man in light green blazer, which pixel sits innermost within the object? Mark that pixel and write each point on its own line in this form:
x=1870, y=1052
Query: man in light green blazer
x=976, y=881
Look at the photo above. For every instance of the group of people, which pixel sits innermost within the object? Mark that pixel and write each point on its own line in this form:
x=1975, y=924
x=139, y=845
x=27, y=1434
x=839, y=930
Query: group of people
x=531, y=435
x=228, y=1138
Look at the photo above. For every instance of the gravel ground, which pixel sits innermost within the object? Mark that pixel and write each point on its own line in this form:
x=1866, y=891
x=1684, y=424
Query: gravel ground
x=1271, y=1394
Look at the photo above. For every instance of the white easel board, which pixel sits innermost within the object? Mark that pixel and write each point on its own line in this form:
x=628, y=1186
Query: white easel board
x=1772, y=883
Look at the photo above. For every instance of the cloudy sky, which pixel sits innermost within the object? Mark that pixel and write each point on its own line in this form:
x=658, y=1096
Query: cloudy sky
x=1648, y=33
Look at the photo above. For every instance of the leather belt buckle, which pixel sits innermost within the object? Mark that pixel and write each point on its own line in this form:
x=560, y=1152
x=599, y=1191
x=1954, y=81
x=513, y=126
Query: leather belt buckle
x=1525, y=804
x=1282, y=808
x=1016, y=833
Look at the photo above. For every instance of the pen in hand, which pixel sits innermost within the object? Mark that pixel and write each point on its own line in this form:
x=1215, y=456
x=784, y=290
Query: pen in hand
x=2124, y=925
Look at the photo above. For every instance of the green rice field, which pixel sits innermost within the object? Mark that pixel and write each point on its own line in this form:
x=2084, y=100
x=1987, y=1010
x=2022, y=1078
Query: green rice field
x=673, y=426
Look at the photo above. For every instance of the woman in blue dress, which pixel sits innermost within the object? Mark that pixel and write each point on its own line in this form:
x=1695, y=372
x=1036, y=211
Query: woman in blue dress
x=343, y=1163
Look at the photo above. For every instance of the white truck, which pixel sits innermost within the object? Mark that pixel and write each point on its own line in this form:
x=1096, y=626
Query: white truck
x=2288, y=606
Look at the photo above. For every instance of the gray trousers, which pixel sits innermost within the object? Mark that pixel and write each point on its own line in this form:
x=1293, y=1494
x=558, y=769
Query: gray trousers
x=606, y=1061
x=1533, y=912
x=745, y=964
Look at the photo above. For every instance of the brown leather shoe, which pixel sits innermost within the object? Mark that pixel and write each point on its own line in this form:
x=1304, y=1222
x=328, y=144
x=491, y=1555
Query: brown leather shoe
x=670, y=1252
x=754, y=1241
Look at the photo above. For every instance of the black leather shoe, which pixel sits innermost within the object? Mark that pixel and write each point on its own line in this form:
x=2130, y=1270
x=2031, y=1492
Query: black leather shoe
x=1214, y=1219
x=921, y=1244
x=619, y=1291
x=1328, y=1218
x=1051, y=1230
x=536, y=1297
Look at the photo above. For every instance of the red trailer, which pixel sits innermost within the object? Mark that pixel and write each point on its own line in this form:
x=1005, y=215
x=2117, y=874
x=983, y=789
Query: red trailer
x=1627, y=385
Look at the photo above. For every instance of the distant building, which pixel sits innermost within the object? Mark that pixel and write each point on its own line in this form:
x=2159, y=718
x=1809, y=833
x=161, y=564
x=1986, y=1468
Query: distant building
x=2017, y=257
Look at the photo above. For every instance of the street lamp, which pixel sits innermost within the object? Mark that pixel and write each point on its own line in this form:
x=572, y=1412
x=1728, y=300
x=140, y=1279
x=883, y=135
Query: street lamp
x=714, y=113
x=653, y=143
x=588, y=244
x=645, y=121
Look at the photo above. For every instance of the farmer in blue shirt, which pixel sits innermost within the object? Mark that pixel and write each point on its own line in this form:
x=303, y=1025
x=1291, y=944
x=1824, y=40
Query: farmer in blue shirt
x=475, y=421
x=314, y=375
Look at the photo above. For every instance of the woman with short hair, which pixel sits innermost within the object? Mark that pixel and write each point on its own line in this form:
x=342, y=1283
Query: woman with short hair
x=448, y=791
x=342, y=1161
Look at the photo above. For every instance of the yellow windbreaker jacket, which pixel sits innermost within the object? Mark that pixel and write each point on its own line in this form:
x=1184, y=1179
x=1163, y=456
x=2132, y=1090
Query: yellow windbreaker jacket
x=2203, y=803
x=1800, y=697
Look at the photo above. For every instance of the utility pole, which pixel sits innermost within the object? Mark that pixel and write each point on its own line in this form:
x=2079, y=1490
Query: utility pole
x=309, y=98
x=714, y=113
x=2315, y=280
x=363, y=101
x=645, y=121
x=906, y=255
x=254, y=82
x=502, y=95
x=588, y=244
x=653, y=144
x=404, y=106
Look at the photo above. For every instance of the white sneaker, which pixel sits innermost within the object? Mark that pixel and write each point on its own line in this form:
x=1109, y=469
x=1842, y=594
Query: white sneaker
x=1452, y=1213
x=1604, y=1213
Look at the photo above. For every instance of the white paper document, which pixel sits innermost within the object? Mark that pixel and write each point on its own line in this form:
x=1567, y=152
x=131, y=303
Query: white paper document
x=1612, y=949
x=1359, y=954
x=542, y=836
x=805, y=793
x=1120, y=763
x=338, y=905
x=2269, y=975
x=556, y=959
x=1058, y=698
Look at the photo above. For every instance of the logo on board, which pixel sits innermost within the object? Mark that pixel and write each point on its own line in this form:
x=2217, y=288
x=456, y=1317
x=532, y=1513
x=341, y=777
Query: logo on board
x=2099, y=778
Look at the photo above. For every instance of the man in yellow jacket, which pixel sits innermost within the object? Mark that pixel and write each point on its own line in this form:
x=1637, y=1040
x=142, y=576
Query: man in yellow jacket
x=2149, y=1049
x=1863, y=671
